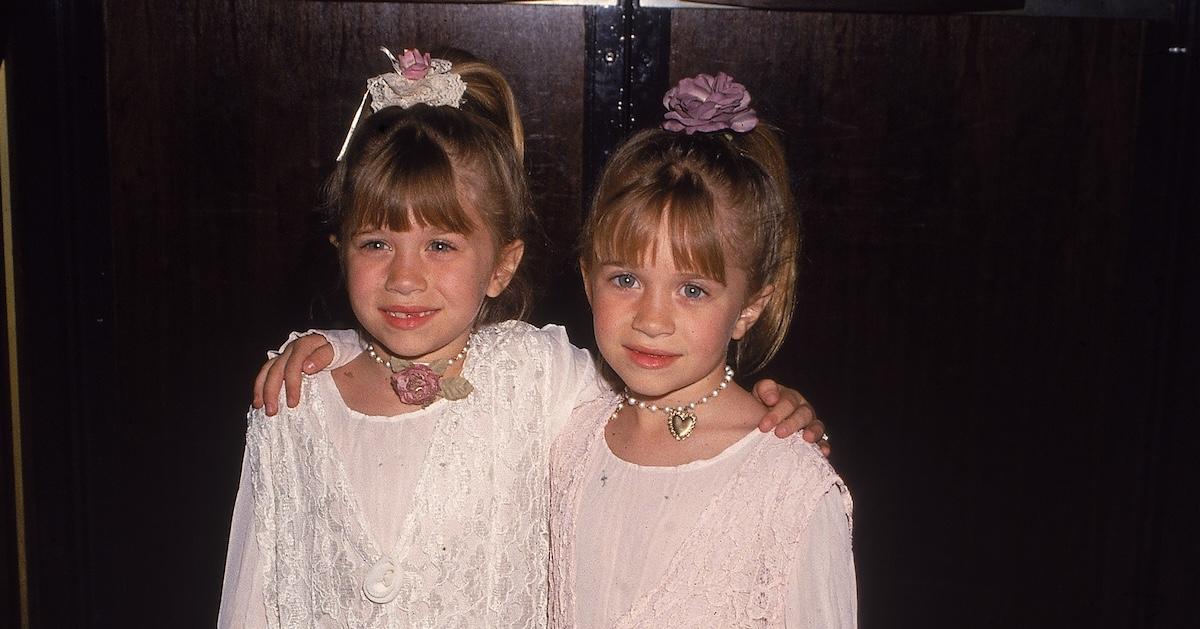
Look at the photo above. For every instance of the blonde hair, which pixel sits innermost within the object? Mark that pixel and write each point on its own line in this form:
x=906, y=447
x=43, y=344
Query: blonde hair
x=422, y=163
x=725, y=199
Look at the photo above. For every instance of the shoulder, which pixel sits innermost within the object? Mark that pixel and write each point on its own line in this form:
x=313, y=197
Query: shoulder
x=795, y=463
x=315, y=399
x=531, y=342
x=514, y=331
x=803, y=479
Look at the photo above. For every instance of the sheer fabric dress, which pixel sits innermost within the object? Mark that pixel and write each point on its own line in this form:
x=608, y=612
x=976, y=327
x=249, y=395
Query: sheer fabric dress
x=758, y=536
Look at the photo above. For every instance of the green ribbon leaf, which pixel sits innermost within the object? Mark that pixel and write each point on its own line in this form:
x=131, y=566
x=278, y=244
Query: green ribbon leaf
x=399, y=364
x=456, y=388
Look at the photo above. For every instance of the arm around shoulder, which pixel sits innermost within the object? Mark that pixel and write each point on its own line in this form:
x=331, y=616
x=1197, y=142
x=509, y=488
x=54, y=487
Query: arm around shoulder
x=574, y=379
x=303, y=352
x=346, y=345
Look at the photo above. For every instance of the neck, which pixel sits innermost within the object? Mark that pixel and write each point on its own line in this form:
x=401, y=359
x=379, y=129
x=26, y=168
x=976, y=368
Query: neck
x=692, y=396
x=455, y=352
x=692, y=401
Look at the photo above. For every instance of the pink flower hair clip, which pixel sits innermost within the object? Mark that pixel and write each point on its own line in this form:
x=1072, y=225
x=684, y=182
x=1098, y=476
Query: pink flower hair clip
x=706, y=103
x=413, y=64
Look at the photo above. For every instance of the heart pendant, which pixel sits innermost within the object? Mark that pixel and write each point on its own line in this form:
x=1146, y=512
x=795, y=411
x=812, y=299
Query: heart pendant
x=681, y=423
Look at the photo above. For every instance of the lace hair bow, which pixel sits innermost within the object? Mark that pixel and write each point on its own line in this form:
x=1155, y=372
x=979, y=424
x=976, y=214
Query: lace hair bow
x=417, y=80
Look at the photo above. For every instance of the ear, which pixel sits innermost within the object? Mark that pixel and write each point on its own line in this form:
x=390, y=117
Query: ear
x=507, y=262
x=749, y=315
x=587, y=286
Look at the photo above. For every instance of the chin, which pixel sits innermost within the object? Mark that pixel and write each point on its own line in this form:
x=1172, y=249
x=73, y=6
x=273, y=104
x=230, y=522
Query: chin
x=397, y=346
x=648, y=386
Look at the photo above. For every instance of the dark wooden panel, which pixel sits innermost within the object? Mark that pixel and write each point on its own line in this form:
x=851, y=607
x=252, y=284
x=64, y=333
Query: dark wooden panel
x=983, y=310
x=1173, y=183
x=225, y=119
x=966, y=187
x=62, y=286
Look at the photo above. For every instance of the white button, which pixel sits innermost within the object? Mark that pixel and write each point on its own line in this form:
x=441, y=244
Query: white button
x=382, y=583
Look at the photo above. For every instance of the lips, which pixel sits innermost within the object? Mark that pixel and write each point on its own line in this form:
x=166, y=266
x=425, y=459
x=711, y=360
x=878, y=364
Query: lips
x=649, y=358
x=407, y=317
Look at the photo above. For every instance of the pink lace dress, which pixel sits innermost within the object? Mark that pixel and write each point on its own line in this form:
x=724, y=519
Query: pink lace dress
x=758, y=536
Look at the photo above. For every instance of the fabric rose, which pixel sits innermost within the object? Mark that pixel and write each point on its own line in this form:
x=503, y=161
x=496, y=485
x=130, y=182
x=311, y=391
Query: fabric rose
x=414, y=65
x=706, y=103
x=417, y=385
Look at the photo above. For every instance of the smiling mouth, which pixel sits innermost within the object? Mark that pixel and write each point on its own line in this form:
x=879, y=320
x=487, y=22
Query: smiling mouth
x=408, y=315
x=407, y=318
x=649, y=359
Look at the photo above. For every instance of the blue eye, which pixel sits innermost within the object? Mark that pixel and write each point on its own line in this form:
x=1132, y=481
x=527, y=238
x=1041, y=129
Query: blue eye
x=691, y=291
x=373, y=245
x=624, y=280
x=440, y=246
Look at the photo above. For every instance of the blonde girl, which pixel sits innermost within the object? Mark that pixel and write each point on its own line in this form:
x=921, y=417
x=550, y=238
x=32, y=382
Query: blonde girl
x=660, y=516
x=407, y=487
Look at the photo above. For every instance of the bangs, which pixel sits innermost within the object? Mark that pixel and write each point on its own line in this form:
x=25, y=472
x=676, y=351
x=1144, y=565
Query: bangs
x=626, y=230
x=405, y=182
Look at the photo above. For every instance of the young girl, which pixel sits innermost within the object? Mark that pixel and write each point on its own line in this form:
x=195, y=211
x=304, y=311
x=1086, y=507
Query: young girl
x=659, y=516
x=409, y=486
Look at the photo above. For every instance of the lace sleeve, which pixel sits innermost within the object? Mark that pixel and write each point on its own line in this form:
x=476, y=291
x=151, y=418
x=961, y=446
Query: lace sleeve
x=346, y=345
x=821, y=590
x=242, y=591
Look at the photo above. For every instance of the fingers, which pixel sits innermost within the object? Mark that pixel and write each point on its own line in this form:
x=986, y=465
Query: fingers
x=795, y=413
x=310, y=354
x=306, y=355
x=257, y=401
x=801, y=417
x=767, y=391
x=777, y=417
x=778, y=407
x=789, y=411
x=274, y=381
x=814, y=431
x=319, y=359
x=292, y=372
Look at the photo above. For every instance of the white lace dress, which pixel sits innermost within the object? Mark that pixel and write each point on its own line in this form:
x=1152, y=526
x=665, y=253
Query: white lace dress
x=758, y=536
x=436, y=518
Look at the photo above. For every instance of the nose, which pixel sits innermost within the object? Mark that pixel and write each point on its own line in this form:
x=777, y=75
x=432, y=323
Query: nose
x=406, y=273
x=654, y=316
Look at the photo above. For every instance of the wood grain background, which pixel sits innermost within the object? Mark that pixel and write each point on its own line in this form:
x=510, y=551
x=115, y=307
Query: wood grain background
x=994, y=312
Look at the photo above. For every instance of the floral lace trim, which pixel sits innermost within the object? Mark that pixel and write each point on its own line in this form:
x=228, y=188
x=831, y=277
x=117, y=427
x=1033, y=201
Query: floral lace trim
x=474, y=542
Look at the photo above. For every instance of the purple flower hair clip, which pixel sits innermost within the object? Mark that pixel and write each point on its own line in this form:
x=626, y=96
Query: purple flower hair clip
x=706, y=103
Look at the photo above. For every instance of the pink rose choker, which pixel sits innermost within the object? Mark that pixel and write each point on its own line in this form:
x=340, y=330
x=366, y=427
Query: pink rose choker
x=421, y=384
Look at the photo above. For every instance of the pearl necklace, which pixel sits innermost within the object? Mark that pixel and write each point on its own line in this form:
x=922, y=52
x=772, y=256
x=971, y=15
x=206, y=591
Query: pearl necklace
x=388, y=363
x=681, y=420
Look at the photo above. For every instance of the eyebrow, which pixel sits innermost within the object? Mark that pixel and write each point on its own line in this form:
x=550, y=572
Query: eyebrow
x=685, y=275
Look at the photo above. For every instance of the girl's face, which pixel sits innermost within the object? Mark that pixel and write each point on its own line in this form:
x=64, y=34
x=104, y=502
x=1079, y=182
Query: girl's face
x=417, y=292
x=665, y=331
